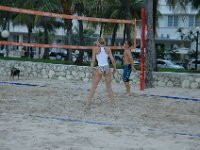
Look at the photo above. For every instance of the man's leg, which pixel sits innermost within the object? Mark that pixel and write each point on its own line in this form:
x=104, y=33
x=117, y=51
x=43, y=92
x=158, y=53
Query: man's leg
x=128, y=88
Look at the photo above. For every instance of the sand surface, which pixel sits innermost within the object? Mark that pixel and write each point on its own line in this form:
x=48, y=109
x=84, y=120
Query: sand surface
x=44, y=114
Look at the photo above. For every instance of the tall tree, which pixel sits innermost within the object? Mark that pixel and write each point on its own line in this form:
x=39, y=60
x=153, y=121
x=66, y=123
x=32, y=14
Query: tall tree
x=5, y=19
x=78, y=7
x=47, y=23
x=115, y=9
x=24, y=19
x=65, y=7
x=195, y=3
x=150, y=46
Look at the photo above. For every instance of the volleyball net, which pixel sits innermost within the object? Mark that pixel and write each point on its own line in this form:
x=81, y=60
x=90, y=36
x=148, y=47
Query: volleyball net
x=64, y=16
x=62, y=45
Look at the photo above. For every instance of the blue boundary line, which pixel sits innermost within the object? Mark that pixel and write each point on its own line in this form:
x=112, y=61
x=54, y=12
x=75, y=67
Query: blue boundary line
x=75, y=120
x=112, y=125
x=179, y=98
x=23, y=84
x=168, y=97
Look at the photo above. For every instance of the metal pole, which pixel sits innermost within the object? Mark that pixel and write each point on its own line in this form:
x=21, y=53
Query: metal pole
x=143, y=16
x=197, y=39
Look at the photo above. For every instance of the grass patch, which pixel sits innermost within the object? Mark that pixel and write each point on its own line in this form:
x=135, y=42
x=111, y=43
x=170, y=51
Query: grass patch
x=177, y=70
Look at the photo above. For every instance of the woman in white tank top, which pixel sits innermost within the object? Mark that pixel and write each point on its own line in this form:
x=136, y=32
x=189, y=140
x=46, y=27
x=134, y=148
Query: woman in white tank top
x=101, y=54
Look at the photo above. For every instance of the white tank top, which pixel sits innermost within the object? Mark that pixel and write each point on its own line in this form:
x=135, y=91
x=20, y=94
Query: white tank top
x=102, y=57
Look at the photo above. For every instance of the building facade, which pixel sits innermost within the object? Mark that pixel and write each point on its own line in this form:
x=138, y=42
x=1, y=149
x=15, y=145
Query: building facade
x=167, y=37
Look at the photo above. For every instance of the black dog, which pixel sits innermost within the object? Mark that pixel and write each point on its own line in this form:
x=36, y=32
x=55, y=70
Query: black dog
x=14, y=72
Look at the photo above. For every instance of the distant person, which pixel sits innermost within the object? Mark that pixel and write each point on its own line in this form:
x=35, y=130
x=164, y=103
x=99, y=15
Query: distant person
x=32, y=54
x=101, y=54
x=22, y=52
x=128, y=66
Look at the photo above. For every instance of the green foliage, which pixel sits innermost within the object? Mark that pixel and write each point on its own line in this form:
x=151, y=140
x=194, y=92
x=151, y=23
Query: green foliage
x=175, y=56
x=177, y=70
x=39, y=36
x=160, y=53
x=192, y=54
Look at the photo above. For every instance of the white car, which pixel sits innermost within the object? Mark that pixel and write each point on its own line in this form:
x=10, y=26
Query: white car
x=191, y=64
x=119, y=61
x=168, y=64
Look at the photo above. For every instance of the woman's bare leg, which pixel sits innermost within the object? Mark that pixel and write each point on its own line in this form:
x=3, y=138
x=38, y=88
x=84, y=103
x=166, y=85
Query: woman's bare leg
x=109, y=87
x=97, y=78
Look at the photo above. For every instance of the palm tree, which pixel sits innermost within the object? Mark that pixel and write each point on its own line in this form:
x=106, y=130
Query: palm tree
x=65, y=7
x=150, y=45
x=24, y=19
x=195, y=3
x=47, y=23
x=5, y=18
x=115, y=9
x=78, y=7
x=99, y=9
x=183, y=3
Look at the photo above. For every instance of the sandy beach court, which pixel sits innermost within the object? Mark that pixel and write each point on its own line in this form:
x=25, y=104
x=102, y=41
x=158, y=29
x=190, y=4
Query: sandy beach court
x=45, y=114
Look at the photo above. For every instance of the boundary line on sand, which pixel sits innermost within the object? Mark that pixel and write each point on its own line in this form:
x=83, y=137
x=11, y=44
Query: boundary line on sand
x=162, y=96
x=114, y=125
x=178, y=98
x=23, y=84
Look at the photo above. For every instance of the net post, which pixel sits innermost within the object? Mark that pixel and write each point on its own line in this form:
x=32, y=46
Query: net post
x=143, y=16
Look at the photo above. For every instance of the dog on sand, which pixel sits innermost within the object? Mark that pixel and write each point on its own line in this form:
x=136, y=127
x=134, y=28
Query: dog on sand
x=14, y=72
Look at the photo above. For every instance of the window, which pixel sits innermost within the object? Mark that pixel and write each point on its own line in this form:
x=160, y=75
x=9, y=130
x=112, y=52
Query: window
x=194, y=21
x=197, y=21
x=191, y=20
x=172, y=21
x=16, y=38
x=25, y=39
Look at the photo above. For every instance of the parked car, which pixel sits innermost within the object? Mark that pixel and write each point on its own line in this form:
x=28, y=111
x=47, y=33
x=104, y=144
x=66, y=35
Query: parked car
x=191, y=64
x=136, y=62
x=118, y=59
x=1, y=53
x=168, y=64
x=57, y=55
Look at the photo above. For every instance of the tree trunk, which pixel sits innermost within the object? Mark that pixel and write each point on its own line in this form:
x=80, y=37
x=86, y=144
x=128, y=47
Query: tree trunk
x=150, y=46
x=155, y=16
x=124, y=33
x=101, y=30
x=128, y=17
x=81, y=39
x=29, y=40
x=114, y=34
x=46, y=41
x=68, y=24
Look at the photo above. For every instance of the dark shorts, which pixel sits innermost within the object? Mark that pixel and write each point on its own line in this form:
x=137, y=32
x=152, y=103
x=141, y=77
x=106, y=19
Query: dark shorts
x=127, y=72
